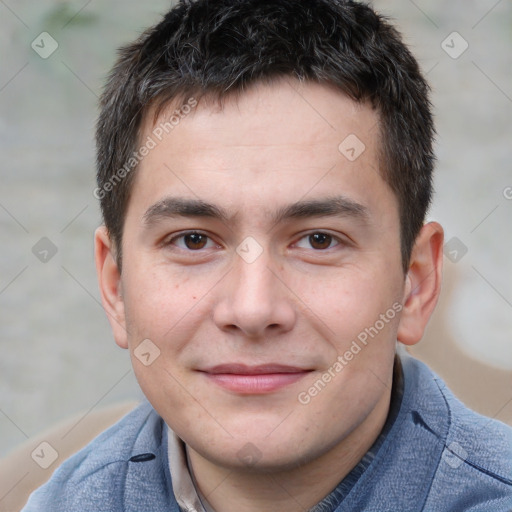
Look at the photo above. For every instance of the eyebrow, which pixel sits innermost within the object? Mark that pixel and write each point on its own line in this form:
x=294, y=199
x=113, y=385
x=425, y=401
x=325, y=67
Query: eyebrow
x=171, y=207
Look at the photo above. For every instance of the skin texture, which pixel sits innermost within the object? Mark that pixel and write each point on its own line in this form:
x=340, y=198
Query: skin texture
x=296, y=304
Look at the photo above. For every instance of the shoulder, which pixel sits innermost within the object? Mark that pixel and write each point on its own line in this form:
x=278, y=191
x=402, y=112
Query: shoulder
x=475, y=467
x=96, y=477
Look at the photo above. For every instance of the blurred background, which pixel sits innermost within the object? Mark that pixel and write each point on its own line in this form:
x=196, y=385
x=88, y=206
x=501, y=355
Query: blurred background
x=58, y=356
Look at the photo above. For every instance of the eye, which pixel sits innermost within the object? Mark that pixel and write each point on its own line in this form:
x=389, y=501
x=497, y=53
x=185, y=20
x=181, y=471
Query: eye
x=318, y=241
x=192, y=241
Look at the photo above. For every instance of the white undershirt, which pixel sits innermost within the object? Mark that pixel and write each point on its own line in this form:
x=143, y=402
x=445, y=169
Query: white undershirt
x=188, y=497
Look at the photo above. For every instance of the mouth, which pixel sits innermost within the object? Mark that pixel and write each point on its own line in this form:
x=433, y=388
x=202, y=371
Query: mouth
x=254, y=380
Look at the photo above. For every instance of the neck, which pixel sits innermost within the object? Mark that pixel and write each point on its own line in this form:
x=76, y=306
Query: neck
x=297, y=489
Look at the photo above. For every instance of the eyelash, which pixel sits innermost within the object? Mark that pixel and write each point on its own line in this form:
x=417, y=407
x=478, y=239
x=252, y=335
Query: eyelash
x=183, y=235
x=334, y=238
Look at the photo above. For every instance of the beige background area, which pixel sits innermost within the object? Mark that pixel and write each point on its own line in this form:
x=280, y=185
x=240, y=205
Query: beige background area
x=57, y=354
x=483, y=387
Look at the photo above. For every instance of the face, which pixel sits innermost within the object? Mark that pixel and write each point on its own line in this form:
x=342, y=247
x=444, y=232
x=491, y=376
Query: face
x=261, y=258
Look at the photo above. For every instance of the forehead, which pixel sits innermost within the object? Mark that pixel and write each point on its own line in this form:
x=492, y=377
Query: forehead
x=288, y=137
x=298, y=112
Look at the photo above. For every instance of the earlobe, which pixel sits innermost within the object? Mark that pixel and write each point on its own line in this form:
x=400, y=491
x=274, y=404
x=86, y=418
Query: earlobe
x=422, y=284
x=109, y=279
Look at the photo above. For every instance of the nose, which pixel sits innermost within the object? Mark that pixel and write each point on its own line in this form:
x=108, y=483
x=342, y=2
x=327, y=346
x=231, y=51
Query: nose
x=255, y=302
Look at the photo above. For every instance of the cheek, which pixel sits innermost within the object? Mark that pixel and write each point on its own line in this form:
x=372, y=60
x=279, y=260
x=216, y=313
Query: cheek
x=162, y=286
x=359, y=307
x=158, y=300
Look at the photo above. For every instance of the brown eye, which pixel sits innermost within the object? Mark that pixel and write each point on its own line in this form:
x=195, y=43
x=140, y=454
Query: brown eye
x=195, y=241
x=320, y=240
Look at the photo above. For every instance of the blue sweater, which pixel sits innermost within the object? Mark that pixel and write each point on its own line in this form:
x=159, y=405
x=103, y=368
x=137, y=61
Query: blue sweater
x=437, y=456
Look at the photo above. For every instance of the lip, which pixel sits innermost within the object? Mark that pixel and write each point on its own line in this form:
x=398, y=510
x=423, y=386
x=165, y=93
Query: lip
x=254, y=380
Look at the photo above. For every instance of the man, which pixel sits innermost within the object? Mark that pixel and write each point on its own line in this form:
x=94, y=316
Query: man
x=264, y=171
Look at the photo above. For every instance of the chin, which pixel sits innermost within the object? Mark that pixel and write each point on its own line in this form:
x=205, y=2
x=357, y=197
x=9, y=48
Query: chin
x=256, y=452
x=255, y=458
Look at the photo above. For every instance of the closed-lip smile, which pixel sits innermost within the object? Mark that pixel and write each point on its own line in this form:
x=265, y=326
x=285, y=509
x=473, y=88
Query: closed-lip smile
x=254, y=379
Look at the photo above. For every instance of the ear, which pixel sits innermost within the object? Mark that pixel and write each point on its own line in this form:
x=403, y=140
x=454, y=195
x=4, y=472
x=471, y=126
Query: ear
x=109, y=279
x=422, y=283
